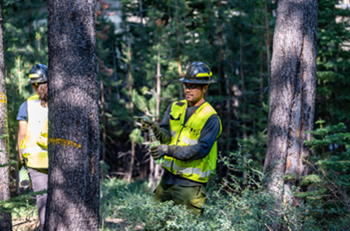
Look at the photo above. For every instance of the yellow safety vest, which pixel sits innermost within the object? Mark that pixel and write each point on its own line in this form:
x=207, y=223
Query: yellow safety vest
x=188, y=134
x=34, y=145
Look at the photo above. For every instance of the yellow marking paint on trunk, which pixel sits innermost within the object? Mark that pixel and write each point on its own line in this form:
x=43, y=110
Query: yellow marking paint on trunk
x=63, y=142
x=3, y=98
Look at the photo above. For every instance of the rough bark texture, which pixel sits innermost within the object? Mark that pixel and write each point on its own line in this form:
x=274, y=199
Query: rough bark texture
x=5, y=218
x=73, y=190
x=292, y=94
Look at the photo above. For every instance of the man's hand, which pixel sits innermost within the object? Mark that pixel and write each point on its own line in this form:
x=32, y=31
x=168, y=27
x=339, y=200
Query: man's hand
x=20, y=162
x=160, y=151
x=145, y=124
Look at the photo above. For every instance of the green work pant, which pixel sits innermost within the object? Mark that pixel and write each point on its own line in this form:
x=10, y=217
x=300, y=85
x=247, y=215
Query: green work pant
x=192, y=197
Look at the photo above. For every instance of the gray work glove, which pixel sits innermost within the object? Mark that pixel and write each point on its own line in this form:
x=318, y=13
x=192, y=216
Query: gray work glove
x=146, y=123
x=161, y=134
x=162, y=150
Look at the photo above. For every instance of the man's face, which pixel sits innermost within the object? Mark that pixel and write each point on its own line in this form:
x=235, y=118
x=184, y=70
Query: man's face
x=194, y=92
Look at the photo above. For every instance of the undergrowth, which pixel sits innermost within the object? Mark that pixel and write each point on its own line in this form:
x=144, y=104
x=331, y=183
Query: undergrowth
x=239, y=203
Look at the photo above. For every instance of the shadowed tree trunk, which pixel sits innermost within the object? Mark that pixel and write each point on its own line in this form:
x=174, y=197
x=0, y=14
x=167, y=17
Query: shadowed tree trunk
x=292, y=95
x=73, y=189
x=5, y=218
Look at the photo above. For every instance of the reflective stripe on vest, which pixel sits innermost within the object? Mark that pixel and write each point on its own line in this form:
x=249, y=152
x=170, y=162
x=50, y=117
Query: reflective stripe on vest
x=37, y=126
x=188, y=134
x=186, y=170
x=32, y=149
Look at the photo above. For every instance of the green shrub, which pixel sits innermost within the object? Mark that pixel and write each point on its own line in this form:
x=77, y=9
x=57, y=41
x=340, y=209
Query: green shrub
x=237, y=204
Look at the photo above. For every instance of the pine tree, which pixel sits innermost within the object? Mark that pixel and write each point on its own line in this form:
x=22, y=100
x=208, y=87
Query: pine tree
x=6, y=221
x=292, y=94
x=73, y=189
x=333, y=101
x=208, y=31
x=329, y=179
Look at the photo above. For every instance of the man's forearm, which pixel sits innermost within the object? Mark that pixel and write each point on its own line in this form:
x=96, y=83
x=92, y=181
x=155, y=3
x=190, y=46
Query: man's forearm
x=20, y=138
x=163, y=135
x=20, y=161
x=188, y=153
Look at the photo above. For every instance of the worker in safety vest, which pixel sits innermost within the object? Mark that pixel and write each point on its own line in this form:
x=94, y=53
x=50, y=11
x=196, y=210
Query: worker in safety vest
x=32, y=136
x=188, y=132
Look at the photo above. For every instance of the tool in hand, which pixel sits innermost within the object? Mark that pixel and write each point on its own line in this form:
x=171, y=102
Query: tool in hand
x=152, y=138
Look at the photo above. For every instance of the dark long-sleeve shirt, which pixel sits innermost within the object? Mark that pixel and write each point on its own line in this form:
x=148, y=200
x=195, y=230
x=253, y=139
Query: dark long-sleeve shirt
x=192, y=152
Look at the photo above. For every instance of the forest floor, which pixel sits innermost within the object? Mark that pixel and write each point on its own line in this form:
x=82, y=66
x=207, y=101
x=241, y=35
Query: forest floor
x=25, y=218
x=130, y=206
x=119, y=224
x=109, y=224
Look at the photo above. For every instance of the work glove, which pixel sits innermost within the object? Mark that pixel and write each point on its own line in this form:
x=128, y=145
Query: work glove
x=162, y=150
x=161, y=134
x=146, y=123
x=20, y=162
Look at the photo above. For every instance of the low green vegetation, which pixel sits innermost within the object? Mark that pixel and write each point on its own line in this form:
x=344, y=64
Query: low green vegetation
x=237, y=204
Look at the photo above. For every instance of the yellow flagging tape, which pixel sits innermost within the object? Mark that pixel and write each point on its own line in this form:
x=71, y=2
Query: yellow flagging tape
x=63, y=142
x=3, y=98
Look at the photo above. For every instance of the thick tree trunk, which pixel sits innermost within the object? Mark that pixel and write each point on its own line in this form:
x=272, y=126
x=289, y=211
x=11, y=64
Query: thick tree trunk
x=5, y=220
x=292, y=95
x=73, y=189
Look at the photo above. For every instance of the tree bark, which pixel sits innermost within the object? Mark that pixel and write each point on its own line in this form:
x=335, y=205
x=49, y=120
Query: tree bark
x=73, y=189
x=292, y=95
x=5, y=220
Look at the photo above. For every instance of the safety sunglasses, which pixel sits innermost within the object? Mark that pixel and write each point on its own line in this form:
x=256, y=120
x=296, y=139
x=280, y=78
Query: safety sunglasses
x=192, y=86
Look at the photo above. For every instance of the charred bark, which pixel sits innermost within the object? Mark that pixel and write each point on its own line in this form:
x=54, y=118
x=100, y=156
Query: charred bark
x=73, y=189
x=5, y=218
x=292, y=95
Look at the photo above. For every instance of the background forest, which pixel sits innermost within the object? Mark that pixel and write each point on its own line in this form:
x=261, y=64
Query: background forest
x=143, y=47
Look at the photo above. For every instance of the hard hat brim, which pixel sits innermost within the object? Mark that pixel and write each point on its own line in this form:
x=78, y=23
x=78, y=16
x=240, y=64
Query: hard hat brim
x=197, y=81
x=31, y=81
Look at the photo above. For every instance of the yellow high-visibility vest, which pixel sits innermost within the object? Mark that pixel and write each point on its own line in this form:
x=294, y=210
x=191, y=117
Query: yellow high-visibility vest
x=188, y=134
x=34, y=145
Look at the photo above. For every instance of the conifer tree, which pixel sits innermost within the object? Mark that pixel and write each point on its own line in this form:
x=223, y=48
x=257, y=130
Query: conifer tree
x=333, y=101
x=5, y=218
x=292, y=95
x=73, y=189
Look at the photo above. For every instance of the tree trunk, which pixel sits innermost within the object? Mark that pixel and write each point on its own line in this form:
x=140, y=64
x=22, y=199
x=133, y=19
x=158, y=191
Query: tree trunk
x=158, y=83
x=19, y=72
x=241, y=72
x=73, y=189
x=292, y=95
x=30, y=22
x=178, y=49
x=156, y=167
x=131, y=108
x=131, y=163
x=5, y=220
x=267, y=42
